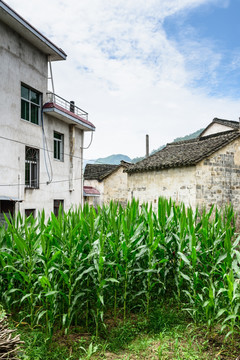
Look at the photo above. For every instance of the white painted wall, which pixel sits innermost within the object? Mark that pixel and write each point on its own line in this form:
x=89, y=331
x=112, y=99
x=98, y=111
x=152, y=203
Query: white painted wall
x=216, y=128
x=20, y=63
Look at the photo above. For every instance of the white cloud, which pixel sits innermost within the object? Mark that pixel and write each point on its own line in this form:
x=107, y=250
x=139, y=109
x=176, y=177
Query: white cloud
x=123, y=70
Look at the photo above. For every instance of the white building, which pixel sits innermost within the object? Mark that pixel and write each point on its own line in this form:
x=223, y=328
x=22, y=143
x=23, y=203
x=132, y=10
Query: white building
x=41, y=134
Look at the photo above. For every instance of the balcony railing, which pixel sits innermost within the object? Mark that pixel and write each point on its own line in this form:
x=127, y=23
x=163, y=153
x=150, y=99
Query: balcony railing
x=66, y=105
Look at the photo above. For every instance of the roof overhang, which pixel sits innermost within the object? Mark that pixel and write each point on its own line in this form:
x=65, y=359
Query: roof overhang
x=67, y=116
x=9, y=198
x=27, y=31
x=90, y=191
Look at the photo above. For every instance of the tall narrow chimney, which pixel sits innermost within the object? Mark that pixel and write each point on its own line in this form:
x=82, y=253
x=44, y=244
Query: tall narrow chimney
x=147, y=145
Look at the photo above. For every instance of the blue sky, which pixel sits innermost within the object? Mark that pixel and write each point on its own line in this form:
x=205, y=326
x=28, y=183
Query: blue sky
x=160, y=67
x=215, y=28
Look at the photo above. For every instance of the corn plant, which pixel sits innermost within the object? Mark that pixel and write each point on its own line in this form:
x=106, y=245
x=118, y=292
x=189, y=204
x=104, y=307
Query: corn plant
x=79, y=267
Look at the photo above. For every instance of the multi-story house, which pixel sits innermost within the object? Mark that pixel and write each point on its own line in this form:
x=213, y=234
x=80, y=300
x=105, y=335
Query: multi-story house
x=41, y=134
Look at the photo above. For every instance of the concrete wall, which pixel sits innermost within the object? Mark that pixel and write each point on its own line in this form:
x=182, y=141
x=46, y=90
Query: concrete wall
x=218, y=178
x=20, y=63
x=178, y=184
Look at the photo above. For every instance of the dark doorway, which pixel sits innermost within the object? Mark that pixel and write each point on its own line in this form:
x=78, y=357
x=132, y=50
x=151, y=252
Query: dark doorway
x=7, y=207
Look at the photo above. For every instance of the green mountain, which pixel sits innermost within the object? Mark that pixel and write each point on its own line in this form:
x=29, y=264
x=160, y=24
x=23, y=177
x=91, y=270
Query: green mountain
x=190, y=136
x=113, y=159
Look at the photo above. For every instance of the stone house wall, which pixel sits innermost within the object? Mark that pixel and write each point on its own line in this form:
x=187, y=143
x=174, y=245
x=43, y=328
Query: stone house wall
x=95, y=200
x=176, y=183
x=213, y=181
x=115, y=187
x=218, y=178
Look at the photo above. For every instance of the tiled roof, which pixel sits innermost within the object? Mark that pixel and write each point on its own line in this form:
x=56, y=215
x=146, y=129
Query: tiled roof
x=231, y=123
x=101, y=171
x=125, y=163
x=185, y=153
x=228, y=123
x=98, y=171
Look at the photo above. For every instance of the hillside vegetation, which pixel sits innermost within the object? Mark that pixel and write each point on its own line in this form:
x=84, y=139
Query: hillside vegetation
x=113, y=159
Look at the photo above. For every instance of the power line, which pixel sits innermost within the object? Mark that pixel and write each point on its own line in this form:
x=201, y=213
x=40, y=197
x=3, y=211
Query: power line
x=42, y=148
x=39, y=147
x=42, y=183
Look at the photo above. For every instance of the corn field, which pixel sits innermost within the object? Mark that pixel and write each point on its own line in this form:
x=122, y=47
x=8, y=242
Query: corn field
x=79, y=267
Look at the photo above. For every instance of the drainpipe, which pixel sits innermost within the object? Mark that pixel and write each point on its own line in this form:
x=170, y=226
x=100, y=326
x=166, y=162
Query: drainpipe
x=19, y=194
x=72, y=150
x=82, y=183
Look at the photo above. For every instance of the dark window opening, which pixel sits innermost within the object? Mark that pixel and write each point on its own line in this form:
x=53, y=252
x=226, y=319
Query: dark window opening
x=57, y=204
x=58, y=142
x=29, y=212
x=8, y=208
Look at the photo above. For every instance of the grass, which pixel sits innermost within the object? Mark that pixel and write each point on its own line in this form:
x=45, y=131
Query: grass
x=168, y=335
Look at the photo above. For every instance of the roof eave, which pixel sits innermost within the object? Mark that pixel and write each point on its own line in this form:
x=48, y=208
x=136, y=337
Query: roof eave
x=71, y=119
x=27, y=31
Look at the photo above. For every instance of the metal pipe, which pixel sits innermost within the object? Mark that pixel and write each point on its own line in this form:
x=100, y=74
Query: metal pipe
x=147, y=145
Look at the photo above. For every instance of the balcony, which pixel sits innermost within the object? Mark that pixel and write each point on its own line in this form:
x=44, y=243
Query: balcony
x=67, y=111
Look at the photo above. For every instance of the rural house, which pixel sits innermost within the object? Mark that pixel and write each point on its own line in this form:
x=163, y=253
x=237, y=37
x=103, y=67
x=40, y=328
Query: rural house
x=106, y=182
x=41, y=134
x=199, y=172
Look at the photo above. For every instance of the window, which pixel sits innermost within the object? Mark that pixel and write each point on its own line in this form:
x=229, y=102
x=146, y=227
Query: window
x=30, y=105
x=56, y=206
x=29, y=212
x=32, y=167
x=58, y=140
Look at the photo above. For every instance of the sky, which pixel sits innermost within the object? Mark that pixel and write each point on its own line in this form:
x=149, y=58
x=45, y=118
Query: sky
x=164, y=68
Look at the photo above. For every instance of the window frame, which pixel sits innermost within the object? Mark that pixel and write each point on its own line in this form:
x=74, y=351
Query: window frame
x=28, y=106
x=32, y=169
x=58, y=151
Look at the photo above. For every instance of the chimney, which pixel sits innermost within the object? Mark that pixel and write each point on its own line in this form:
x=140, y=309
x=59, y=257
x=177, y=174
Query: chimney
x=147, y=146
x=72, y=106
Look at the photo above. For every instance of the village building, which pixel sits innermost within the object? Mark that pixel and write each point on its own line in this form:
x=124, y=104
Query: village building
x=106, y=182
x=201, y=172
x=41, y=134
